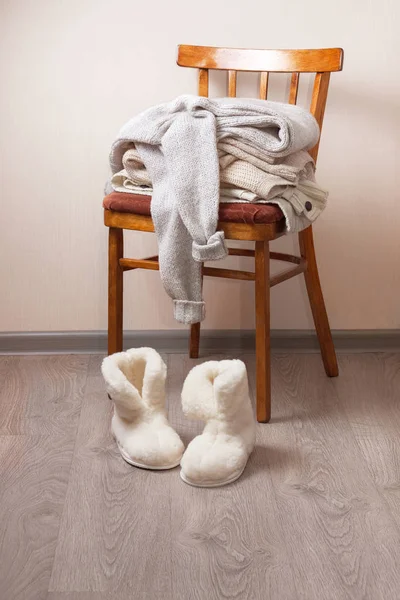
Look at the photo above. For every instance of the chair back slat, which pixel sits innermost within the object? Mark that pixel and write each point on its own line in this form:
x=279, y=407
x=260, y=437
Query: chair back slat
x=203, y=82
x=232, y=79
x=264, y=76
x=294, y=88
x=318, y=103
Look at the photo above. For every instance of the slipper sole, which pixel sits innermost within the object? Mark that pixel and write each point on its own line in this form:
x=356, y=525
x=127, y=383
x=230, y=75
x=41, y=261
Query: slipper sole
x=211, y=484
x=148, y=467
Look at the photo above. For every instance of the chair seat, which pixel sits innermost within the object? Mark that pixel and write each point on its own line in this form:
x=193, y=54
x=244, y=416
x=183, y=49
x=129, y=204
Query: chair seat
x=235, y=212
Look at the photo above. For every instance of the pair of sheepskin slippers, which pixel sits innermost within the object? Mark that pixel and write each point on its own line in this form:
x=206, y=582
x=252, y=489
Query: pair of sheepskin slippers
x=215, y=392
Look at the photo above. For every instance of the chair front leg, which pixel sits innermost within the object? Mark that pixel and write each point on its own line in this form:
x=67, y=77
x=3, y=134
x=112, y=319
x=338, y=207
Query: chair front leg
x=194, y=342
x=263, y=352
x=306, y=242
x=115, y=289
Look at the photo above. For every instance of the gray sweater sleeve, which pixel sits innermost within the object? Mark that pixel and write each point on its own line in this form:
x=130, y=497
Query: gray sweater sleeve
x=185, y=175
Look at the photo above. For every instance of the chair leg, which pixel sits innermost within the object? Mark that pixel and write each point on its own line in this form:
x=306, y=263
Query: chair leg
x=115, y=289
x=194, y=340
x=317, y=303
x=263, y=352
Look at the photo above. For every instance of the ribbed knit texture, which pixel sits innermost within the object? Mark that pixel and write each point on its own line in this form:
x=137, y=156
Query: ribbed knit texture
x=177, y=143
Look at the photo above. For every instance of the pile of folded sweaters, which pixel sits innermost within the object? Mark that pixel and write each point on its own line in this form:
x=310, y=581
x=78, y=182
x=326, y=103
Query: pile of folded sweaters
x=193, y=153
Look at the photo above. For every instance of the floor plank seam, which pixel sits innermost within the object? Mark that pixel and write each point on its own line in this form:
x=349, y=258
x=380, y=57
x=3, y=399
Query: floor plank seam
x=171, y=541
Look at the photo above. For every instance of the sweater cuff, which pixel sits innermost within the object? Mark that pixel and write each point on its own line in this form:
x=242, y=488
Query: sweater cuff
x=214, y=249
x=188, y=311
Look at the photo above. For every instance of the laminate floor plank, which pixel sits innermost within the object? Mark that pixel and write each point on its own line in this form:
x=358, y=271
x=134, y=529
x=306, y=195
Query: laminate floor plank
x=226, y=542
x=115, y=529
x=6, y=363
x=369, y=392
x=34, y=473
x=40, y=399
x=41, y=394
x=342, y=537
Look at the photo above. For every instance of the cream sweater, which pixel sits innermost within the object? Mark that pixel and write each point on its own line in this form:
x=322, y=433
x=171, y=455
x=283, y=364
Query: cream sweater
x=288, y=182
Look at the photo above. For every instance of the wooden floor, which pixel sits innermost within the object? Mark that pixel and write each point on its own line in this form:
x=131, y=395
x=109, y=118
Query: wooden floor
x=315, y=516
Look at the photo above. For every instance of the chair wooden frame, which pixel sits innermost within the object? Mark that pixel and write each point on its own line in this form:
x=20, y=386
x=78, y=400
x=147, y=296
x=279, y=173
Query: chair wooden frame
x=322, y=63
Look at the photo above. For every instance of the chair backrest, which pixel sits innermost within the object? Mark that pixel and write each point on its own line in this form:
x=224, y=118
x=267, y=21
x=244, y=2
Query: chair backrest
x=321, y=62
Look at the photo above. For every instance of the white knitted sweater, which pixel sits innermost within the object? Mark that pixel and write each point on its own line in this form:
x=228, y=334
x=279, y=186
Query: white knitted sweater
x=177, y=143
x=288, y=181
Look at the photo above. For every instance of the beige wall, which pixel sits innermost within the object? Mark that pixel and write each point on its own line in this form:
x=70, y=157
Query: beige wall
x=73, y=71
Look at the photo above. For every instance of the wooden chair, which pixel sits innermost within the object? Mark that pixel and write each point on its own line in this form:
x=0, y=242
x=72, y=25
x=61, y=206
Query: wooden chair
x=124, y=213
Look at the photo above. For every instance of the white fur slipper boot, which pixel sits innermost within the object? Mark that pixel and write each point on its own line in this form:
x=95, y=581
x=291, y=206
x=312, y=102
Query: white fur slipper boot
x=135, y=381
x=217, y=392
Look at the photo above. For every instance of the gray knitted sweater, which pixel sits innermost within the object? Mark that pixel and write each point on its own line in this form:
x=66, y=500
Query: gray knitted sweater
x=177, y=142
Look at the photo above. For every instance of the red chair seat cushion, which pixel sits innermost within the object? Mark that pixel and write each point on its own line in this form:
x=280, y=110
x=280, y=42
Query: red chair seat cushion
x=235, y=212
